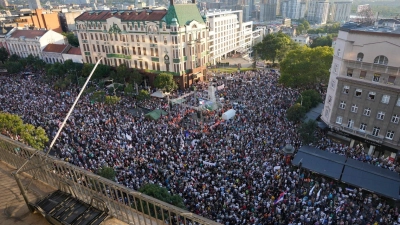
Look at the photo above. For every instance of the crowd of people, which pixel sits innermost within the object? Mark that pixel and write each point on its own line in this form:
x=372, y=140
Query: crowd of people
x=231, y=171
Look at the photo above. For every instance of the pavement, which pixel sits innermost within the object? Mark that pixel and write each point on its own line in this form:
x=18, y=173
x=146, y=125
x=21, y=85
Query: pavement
x=232, y=61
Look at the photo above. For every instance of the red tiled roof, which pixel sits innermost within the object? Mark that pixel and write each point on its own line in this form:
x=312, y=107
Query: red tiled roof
x=124, y=15
x=28, y=33
x=74, y=51
x=59, y=48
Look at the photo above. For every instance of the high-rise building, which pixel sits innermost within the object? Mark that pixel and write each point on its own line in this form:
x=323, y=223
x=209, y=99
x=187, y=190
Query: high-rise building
x=340, y=11
x=363, y=94
x=361, y=8
x=34, y=4
x=291, y=9
x=318, y=11
x=173, y=40
x=3, y=3
x=268, y=10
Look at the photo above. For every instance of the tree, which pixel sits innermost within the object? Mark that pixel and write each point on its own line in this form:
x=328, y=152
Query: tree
x=307, y=131
x=309, y=99
x=300, y=28
x=111, y=100
x=162, y=194
x=3, y=54
x=296, y=113
x=274, y=47
x=135, y=77
x=306, y=67
x=101, y=71
x=72, y=39
x=128, y=89
x=13, y=67
x=14, y=58
x=143, y=95
x=107, y=172
x=122, y=73
x=306, y=24
x=322, y=41
x=165, y=82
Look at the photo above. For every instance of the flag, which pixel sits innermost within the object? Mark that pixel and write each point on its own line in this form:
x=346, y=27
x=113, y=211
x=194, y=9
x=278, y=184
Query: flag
x=280, y=198
x=311, y=191
x=319, y=193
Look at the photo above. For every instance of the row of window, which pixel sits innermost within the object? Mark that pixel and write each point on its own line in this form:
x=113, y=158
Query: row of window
x=367, y=112
x=363, y=127
x=380, y=59
x=375, y=78
x=371, y=95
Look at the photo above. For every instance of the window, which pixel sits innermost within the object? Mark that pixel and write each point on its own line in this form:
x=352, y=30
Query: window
x=354, y=108
x=342, y=104
x=350, y=123
x=371, y=95
x=395, y=118
x=367, y=112
x=375, y=131
x=390, y=135
x=382, y=60
x=376, y=78
x=385, y=99
x=360, y=56
x=391, y=79
x=333, y=83
x=380, y=115
x=363, y=74
x=339, y=120
x=329, y=99
x=358, y=92
x=346, y=89
x=338, y=52
x=349, y=72
x=363, y=127
x=335, y=68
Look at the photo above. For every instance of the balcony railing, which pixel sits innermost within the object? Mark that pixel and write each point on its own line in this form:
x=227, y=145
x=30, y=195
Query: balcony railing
x=124, y=204
x=372, y=67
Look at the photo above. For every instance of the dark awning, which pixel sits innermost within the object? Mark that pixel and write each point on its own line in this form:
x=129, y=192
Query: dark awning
x=314, y=113
x=372, y=178
x=322, y=162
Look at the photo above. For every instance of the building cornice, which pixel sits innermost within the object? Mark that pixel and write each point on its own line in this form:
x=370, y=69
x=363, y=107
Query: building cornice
x=363, y=82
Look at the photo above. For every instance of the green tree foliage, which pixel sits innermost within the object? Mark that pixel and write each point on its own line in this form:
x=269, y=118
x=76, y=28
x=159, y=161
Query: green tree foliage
x=165, y=82
x=135, y=77
x=322, y=41
x=296, y=113
x=307, y=131
x=72, y=39
x=3, y=54
x=107, y=172
x=128, y=90
x=274, y=47
x=13, y=67
x=101, y=71
x=306, y=67
x=35, y=137
x=309, y=99
x=98, y=96
x=329, y=28
x=14, y=58
x=111, y=100
x=162, y=194
x=123, y=72
x=300, y=29
x=143, y=95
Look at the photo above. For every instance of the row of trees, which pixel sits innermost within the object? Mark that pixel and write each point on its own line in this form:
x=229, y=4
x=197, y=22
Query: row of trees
x=12, y=125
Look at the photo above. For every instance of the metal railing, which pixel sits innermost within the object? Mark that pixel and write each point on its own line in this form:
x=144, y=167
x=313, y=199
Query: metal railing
x=123, y=203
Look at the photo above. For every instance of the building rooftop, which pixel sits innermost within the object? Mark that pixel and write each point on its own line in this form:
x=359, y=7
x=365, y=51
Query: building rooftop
x=28, y=33
x=184, y=13
x=74, y=51
x=58, y=48
x=124, y=15
x=352, y=26
x=5, y=30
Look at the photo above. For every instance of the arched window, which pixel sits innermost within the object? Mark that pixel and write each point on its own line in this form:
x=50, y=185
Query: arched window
x=360, y=56
x=383, y=60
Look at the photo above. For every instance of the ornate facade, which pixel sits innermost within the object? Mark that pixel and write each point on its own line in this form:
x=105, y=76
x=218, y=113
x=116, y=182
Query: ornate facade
x=173, y=40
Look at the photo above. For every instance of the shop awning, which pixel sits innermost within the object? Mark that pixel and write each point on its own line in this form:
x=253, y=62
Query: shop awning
x=372, y=178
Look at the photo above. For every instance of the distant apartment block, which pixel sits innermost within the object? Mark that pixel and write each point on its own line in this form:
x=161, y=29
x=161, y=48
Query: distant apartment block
x=340, y=11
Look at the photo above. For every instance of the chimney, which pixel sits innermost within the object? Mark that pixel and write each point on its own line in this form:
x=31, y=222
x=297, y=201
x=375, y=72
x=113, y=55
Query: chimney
x=171, y=2
x=194, y=1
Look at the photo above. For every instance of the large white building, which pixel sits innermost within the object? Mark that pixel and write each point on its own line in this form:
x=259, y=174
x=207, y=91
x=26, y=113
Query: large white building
x=173, y=40
x=340, y=11
x=291, y=9
x=318, y=11
x=228, y=33
x=26, y=42
x=363, y=95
